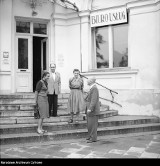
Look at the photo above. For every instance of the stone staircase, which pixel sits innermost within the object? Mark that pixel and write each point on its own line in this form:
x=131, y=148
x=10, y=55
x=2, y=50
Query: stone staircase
x=17, y=124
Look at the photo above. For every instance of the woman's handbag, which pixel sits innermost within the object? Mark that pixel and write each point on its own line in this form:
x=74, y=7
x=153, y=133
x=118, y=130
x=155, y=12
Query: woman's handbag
x=36, y=112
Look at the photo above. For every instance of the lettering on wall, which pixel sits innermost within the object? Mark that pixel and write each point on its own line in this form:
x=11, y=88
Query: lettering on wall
x=60, y=60
x=108, y=17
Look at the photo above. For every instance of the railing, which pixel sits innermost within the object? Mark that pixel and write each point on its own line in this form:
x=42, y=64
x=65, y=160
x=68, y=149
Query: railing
x=111, y=91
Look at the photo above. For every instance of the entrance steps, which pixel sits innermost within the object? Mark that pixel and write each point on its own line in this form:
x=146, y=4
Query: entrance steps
x=115, y=125
x=17, y=124
x=19, y=109
x=18, y=100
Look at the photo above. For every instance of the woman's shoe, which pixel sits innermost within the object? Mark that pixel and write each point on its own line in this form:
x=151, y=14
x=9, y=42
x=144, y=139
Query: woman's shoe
x=45, y=131
x=40, y=132
x=70, y=121
x=76, y=122
x=90, y=141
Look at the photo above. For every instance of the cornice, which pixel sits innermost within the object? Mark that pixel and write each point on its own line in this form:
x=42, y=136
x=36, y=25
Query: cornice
x=142, y=3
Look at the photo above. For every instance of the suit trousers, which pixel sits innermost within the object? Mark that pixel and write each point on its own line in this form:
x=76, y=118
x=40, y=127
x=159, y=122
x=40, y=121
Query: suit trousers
x=53, y=102
x=92, y=124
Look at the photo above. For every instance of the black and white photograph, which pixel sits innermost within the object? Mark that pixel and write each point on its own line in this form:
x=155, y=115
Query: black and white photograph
x=79, y=79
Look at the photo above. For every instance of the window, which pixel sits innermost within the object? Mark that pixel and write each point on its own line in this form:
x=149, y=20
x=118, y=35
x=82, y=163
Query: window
x=22, y=53
x=120, y=46
x=111, y=46
x=22, y=27
x=31, y=27
x=40, y=28
x=102, y=48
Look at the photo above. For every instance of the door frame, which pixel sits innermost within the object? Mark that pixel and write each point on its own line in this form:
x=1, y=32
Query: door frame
x=47, y=56
x=30, y=36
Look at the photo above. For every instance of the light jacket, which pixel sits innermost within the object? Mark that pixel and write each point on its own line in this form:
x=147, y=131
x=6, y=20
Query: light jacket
x=54, y=85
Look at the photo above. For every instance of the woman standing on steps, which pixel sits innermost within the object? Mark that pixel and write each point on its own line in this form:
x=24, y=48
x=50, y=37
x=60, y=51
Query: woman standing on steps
x=76, y=102
x=41, y=100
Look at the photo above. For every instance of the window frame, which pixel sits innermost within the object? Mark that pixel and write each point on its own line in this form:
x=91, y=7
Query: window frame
x=32, y=21
x=111, y=50
x=24, y=21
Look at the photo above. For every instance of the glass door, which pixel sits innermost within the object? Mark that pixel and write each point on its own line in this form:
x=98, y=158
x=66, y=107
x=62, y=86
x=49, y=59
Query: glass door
x=24, y=64
x=44, y=55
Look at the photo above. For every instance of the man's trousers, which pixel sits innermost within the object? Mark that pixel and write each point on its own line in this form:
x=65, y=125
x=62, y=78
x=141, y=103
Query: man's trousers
x=92, y=124
x=53, y=104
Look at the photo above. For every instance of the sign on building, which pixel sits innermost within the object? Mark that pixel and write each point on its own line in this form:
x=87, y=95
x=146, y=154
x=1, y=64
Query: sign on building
x=108, y=17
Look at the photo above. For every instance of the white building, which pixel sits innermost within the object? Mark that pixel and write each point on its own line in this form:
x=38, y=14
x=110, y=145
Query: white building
x=117, y=41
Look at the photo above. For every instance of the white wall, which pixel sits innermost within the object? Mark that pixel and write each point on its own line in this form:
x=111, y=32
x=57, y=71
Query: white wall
x=5, y=45
x=5, y=33
x=100, y=4
x=139, y=87
x=22, y=8
x=67, y=45
x=144, y=38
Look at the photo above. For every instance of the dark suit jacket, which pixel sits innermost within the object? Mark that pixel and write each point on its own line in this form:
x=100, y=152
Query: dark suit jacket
x=92, y=101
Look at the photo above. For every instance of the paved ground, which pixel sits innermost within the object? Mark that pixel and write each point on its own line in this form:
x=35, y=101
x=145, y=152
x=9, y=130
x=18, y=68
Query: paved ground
x=131, y=146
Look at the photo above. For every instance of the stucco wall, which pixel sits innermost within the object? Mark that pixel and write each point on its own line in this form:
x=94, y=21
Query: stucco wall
x=66, y=44
x=100, y=4
x=5, y=45
x=139, y=87
x=134, y=102
x=144, y=39
x=5, y=33
x=23, y=9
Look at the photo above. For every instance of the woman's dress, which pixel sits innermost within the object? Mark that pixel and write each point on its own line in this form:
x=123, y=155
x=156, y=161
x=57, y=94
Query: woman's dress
x=76, y=102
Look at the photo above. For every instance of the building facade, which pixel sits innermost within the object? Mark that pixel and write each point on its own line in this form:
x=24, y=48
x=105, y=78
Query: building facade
x=118, y=42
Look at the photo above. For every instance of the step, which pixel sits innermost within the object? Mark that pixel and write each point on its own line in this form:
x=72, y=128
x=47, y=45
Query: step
x=75, y=134
x=26, y=113
x=27, y=98
x=16, y=107
x=28, y=110
x=28, y=95
x=66, y=117
x=25, y=106
x=13, y=117
x=17, y=113
x=105, y=122
x=30, y=106
x=17, y=95
x=26, y=101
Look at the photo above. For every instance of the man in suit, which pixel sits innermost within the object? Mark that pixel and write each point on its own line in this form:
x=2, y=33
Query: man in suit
x=54, y=88
x=93, y=109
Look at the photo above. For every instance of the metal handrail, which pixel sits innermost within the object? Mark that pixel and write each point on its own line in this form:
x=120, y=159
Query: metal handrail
x=111, y=101
x=99, y=84
x=111, y=91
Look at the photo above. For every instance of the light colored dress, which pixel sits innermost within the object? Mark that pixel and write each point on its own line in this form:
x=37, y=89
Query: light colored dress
x=76, y=103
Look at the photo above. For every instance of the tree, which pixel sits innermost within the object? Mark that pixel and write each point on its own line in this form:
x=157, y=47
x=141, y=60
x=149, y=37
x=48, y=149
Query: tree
x=124, y=60
x=100, y=40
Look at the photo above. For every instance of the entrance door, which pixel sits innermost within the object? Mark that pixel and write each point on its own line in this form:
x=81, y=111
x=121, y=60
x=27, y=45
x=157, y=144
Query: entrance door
x=24, y=64
x=40, y=58
x=44, y=56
